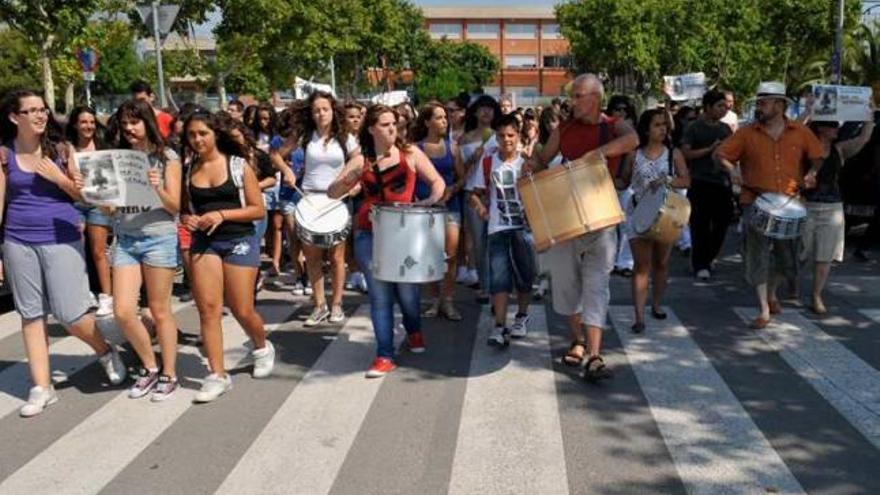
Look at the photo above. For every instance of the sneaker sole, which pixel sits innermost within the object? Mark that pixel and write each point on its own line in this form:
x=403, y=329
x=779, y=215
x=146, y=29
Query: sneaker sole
x=205, y=400
x=495, y=343
x=417, y=350
x=51, y=401
x=377, y=374
x=142, y=394
x=163, y=397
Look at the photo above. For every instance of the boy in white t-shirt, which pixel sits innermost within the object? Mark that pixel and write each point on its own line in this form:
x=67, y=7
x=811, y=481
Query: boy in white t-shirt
x=510, y=249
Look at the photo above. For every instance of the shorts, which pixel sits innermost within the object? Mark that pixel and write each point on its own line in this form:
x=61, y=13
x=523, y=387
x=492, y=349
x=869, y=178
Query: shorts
x=822, y=240
x=270, y=198
x=159, y=251
x=288, y=207
x=764, y=255
x=512, y=262
x=48, y=279
x=453, y=218
x=243, y=251
x=92, y=215
x=580, y=273
x=184, y=237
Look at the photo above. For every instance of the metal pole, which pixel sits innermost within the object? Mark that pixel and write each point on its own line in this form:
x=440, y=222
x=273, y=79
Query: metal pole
x=333, y=75
x=838, y=44
x=158, y=46
x=88, y=93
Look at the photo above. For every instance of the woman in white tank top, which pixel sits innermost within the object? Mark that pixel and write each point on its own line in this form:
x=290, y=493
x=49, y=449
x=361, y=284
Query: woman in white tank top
x=650, y=168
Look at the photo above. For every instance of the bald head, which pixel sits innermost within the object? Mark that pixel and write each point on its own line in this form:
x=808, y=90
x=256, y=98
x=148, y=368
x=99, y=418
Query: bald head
x=587, y=92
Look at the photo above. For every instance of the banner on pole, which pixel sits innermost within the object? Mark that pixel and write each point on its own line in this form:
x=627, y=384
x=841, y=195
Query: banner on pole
x=842, y=103
x=117, y=178
x=685, y=87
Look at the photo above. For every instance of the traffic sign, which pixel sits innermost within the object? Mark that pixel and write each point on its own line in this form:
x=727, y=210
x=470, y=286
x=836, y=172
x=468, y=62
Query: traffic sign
x=88, y=58
x=167, y=15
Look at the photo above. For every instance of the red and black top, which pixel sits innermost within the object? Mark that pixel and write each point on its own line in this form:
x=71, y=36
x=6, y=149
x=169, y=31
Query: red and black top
x=395, y=184
x=577, y=138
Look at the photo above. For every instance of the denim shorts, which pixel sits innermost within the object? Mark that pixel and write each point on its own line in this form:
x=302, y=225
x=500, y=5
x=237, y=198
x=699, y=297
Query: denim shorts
x=512, y=261
x=288, y=208
x=242, y=251
x=92, y=215
x=156, y=251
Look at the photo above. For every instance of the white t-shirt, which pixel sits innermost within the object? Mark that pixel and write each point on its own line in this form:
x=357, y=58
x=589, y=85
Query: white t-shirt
x=468, y=149
x=731, y=119
x=324, y=160
x=505, y=206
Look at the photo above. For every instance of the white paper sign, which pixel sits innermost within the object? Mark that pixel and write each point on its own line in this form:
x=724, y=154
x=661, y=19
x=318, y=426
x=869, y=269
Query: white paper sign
x=685, y=86
x=117, y=178
x=841, y=103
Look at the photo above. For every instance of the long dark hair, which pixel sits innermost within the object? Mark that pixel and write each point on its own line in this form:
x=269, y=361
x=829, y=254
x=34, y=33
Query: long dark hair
x=222, y=127
x=470, y=116
x=273, y=121
x=368, y=145
x=337, y=127
x=71, y=133
x=644, y=126
x=621, y=100
x=8, y=131
x=140, y=110
x=420, y=127
x=548, y=115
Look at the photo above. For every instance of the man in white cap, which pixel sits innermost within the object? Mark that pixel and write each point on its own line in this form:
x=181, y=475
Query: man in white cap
x=771, y=152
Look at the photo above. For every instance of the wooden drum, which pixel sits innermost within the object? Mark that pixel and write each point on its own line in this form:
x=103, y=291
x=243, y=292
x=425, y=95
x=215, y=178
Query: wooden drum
x=570, y=200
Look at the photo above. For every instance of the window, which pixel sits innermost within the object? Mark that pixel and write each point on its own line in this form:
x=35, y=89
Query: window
x=522, y=92
x=561, y=61
x=521, y=31
x=482, y=31
x=520, y=62
x=550, y=31
x=445, y=30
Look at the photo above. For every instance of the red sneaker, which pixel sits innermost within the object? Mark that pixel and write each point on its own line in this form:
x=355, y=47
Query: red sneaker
x=381, y=366
x=416, y=342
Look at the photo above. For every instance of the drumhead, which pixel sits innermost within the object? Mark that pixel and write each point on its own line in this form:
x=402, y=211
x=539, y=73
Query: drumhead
x=648, y=209
x=409, y=208
x=780, y=205
x=318, y=213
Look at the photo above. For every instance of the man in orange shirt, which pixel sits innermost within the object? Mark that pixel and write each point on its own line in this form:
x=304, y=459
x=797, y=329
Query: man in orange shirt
x=771, y=153
x=140, y=90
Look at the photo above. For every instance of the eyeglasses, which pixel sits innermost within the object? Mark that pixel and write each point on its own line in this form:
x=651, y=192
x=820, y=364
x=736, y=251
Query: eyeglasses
x=618, y=109
x=34, y=111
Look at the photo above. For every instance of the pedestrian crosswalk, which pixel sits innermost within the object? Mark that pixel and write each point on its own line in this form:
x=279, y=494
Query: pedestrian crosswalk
x=476, y=420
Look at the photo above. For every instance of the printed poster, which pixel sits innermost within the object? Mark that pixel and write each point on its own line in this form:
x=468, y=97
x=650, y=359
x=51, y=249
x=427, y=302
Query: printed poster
x=117, y=178
x=685, y=86
x=842, y=103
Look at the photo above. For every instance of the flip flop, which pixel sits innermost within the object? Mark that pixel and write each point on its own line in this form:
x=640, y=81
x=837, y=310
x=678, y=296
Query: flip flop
x=759, y=323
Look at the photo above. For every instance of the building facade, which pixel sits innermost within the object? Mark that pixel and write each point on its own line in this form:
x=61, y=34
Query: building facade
x=534, y=56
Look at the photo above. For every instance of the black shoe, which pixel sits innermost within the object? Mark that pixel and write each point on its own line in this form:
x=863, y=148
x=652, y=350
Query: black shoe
x=638, y=327
x=658, y=315
x=626, y=273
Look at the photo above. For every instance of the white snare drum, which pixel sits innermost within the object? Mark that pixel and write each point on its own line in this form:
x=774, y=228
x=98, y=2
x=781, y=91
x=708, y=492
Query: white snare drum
x=321, y=221
x=409, y=243
x=778, y=216
x=661, y=215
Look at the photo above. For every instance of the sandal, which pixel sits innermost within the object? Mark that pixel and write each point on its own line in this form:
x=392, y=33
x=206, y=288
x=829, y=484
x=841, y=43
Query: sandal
x=572, y=358
x=658, y=314
x=638, y=327
x=596, y=370
x=759, y=323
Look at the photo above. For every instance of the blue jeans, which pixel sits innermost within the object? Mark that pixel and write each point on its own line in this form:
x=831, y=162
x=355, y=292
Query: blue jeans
x=382, y=297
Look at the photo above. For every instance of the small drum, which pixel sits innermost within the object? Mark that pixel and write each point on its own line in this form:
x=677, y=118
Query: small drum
x=779, y=216
x=661, y=215
x=568, y=201
x=409, y=243
x=321, y=221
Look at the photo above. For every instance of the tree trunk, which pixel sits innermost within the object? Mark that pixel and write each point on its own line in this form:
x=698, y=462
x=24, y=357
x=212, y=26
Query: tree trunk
x=48, y=83
x=69, y=97
x=221, y=91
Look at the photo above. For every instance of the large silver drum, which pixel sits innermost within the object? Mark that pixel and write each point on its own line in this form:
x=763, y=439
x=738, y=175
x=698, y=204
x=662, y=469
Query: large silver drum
x=321, y=221
x=779, y=216
x=409, y=243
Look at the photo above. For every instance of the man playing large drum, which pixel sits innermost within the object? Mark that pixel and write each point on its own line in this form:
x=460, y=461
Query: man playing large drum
x=580, y=269
x=387, y=169
x=770, y=153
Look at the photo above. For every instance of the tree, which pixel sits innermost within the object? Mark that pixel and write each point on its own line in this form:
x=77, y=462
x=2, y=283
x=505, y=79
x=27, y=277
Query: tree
x=47, y=24
x=448, y=68
x=18, y=59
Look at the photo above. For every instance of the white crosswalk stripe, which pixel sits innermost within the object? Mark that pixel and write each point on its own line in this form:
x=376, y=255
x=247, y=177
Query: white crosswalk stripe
x=716, y=446
x=845, y=381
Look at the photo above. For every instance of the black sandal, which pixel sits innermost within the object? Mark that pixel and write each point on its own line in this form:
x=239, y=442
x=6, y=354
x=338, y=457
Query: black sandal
x=658, y=315
x=573, y=359
x=638, y=327
x=594, y=373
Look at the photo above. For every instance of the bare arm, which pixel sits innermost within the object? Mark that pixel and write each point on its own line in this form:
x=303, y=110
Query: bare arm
x=851, y=147
x=251, y=211
x=624, y=177
x=426, y=171
x=682, y=177
x=169, y=193
x=550, y=150
x=627, y=140
x=348, y=179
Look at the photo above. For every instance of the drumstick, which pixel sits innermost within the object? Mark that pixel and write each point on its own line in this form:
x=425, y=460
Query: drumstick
x=303, y=194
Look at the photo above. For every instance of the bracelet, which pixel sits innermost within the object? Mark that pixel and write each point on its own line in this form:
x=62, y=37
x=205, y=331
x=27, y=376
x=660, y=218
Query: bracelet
x=222, y=215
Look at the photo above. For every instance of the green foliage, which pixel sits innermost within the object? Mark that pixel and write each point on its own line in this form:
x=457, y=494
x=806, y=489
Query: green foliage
x=737, y=44
x=18, y=59
x=446, y=68
x=445, y=84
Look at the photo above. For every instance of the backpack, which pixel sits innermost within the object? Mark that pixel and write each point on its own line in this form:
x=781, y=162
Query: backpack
x=236, y=168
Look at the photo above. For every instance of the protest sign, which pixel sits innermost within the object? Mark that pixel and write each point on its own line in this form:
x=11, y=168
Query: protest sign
x=117, y=178
x=685, y=86
x=841, y=103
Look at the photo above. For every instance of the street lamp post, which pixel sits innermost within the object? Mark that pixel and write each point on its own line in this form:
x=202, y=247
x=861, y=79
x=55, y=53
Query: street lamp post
x=157, y=41
x=837, y=58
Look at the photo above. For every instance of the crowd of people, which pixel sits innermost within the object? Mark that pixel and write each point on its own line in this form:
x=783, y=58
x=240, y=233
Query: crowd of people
x=229, y=184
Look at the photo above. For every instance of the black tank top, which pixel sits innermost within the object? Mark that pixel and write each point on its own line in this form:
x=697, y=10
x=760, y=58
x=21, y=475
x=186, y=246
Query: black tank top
x=223, y=197
x=827, y=181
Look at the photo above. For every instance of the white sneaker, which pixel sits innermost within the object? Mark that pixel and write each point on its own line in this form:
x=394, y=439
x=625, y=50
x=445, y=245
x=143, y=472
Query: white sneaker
x=264, y=360
x=360, y=283
x=105, y=306
x=298, y=289
x=462, y=275
x=337, y=315
x=520, y=326
x=704, y=274
x=38, y=399
x=93, y=301
x=214, y=386
x=113, y=366
x=307, y=289
x=349, y=283
x=499, y=337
